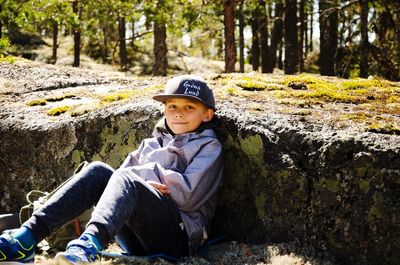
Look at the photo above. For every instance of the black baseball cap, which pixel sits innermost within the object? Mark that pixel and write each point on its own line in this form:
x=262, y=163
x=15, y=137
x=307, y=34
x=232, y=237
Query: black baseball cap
x=190, y=87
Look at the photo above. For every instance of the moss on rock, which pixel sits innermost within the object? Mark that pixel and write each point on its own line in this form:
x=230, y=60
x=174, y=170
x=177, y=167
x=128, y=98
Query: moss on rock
x=58, y=110
x=118, y=140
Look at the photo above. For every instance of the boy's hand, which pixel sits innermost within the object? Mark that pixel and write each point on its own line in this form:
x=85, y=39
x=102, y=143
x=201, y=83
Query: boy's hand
x=158, y=186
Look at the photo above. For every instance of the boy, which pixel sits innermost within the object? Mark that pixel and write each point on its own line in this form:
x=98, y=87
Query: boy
x=160, y=200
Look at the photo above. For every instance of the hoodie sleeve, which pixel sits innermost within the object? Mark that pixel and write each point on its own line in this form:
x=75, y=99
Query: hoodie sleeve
x=200, y=180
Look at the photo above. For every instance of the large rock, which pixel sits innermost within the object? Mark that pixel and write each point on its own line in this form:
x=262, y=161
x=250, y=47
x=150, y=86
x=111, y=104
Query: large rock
x=335, y=190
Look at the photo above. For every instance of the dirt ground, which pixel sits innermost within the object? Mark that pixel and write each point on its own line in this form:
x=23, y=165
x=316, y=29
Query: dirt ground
x=221, y=254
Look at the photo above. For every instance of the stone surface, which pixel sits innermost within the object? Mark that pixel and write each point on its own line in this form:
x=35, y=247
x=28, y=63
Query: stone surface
x=289, y=178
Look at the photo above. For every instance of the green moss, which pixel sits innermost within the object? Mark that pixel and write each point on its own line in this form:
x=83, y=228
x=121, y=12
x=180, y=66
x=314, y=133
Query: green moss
x=43, y=101
x=115, y=97
x=251, y=83
x=285, y=179
x=256, y=82
x=365, y=185
x=330, y=184
x=58, y=110
x=393, y=99
x=128, y=93
x=328, y=92
x=332, y=96
x=244, y=155
x=323, y=87
x=304, y=78
x=282, y=175
x=253, y=147
x=260, y=201
x=77, y=157
x=36, y=102
x=252, y=86
x=118, y=139
x=232, y=151
x=5, y=45
x=386, y=128
x=223, y=79
x=357, y=91
x=361, y=84
x=376, y=210
x=358, y=116
x=8, y=59
x=232, y=90
x=361, y=171
x=379, y=179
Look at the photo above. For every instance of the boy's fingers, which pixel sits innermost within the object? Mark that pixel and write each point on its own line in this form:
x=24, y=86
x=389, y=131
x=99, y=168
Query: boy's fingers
x=160, y=187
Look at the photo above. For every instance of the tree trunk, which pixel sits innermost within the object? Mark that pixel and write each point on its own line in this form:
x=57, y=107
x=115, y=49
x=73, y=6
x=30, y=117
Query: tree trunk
x=55, y=42
x=133, y=35
x=229, y=24
x=219, y=45
x=280, y=55
x=241, y=37
x=77, y=36
x=328, y=24
x=342, y=31
x=291, y=43
x=77, y=51
x=1, y=22
x=255, y=42
x=306, y=33
x=123, y=59
x=263, y=28
x=364, y=39
x=276, y=36
x=105, y=44
x=311, y=25
x=301, y=39
x=160, y=42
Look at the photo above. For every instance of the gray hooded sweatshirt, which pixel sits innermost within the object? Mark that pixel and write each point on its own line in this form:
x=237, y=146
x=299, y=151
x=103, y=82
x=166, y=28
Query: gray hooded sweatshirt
x=190, y=164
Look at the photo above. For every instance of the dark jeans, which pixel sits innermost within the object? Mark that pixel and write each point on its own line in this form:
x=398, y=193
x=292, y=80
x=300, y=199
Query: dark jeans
x=142, y=220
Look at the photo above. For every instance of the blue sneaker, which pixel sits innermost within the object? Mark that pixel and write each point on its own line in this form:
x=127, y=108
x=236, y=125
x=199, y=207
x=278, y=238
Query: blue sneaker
x=11, y=249
x=78, y=251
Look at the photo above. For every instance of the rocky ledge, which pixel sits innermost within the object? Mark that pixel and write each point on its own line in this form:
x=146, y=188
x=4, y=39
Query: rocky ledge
x=308, y=159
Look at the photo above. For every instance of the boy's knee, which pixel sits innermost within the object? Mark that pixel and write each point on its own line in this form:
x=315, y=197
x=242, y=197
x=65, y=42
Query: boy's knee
x=96, y=171
x=98, y=165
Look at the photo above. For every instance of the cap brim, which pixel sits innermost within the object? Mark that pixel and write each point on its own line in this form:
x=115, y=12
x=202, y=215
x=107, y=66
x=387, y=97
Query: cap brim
x=162, y=98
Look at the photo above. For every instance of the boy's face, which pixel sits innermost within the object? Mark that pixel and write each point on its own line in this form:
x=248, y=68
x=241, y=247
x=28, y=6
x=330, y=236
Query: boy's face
x=185, y=115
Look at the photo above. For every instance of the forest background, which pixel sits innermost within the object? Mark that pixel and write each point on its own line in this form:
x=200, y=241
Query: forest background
x=356, y=38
